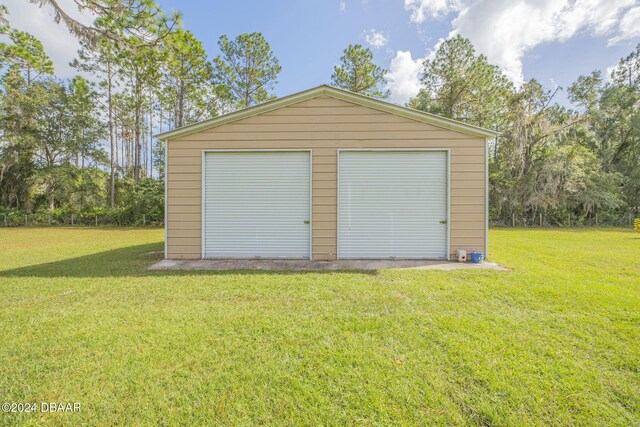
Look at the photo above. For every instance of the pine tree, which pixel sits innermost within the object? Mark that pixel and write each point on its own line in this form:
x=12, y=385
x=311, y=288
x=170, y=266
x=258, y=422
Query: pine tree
x=188, y=83
x=247, y=69
x=357, y=73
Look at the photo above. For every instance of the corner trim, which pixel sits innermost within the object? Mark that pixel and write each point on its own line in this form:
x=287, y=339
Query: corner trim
x=166, y=203
x=486, y=198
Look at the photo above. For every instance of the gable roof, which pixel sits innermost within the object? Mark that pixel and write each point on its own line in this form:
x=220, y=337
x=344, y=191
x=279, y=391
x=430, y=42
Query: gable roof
x=333, y=92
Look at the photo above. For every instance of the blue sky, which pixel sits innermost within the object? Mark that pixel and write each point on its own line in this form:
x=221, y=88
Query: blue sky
x=307, y=36
x=554, y=41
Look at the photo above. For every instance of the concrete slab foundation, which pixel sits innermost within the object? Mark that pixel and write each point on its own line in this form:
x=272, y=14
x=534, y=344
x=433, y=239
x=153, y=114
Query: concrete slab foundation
x=306, y=265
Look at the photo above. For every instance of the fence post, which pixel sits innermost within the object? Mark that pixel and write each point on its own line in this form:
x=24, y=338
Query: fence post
x=26, y=220
x=71, y=219
x=144, y=219
x=5, y=220
x=569, y=219
x=49, y=219
x=96, y=220
x=596, y=219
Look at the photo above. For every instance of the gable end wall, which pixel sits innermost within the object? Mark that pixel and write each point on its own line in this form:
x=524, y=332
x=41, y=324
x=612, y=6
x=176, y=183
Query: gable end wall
x=324, y=125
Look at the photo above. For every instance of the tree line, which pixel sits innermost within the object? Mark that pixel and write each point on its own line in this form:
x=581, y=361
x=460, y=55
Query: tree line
x=86, y=145
x=551, y=164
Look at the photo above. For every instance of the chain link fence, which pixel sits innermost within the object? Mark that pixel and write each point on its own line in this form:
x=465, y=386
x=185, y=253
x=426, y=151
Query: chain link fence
x=568, y=220
x=125, y=218
x=95, y=219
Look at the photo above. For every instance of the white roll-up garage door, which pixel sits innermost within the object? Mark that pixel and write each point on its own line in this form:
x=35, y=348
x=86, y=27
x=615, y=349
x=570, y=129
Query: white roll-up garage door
x=393, y=204
x=256, y=204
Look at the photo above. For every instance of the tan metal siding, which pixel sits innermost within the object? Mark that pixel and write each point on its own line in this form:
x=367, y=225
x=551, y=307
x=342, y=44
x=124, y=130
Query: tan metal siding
x=324, y=124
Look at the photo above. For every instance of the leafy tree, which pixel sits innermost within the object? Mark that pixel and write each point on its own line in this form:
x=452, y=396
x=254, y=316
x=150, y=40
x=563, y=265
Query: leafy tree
x=141, y=73
x=67, y=135
x=627, y=73
x=23, y=63
x=609, y=119
x=357, y=73
x=86, y=128
x=611, y=122
x=247, y=69
x=562, y=163
x=25, y=54
x=459, y=84
x=51, y=155
x=129, y=24
x=4, y=22
x=540, y=170
x=51, y=131
x=189, y=86
x=102, y=61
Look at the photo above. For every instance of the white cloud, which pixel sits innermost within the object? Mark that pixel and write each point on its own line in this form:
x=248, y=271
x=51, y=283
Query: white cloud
x=423, y=9
x=58, y=43
x=629, y=26
x=375, y=38
x=505, y=30
x=403, y=78
x=342, y=6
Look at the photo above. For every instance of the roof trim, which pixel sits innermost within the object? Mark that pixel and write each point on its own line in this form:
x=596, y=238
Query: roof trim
x=341, y=94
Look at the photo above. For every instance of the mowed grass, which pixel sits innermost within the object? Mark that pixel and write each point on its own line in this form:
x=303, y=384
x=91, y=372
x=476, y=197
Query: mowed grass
x=554, y=341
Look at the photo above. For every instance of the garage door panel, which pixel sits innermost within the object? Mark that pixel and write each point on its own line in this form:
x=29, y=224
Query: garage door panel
x=392, y=204
x=256, y=205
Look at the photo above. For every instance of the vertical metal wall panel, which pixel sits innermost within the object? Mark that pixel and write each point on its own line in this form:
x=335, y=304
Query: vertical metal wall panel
x=257, y=204
x=393, y=204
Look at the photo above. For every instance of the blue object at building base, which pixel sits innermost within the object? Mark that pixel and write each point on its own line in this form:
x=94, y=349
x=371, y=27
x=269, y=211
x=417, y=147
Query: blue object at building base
x=476, y=257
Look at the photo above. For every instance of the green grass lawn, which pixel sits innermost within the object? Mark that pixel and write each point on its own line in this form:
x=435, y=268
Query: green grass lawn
x=554, y=341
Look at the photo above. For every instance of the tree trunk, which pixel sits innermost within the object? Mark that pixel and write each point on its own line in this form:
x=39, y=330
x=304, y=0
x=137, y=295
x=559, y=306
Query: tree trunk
x=151, y=142
x=181, y=104
x=142, y=147
x=137, y=142
x=112, y=177
x=123, y=163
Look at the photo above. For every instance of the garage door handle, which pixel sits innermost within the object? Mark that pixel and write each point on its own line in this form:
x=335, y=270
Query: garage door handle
x=444, y=221
x=306, y=221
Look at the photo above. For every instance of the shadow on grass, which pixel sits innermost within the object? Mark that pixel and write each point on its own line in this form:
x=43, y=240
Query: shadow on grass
x=132, y=261
x=126, y=261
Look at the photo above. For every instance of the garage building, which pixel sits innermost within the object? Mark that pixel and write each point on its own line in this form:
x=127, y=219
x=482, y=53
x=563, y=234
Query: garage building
x=326, y=174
